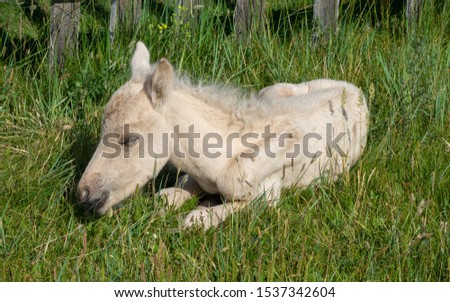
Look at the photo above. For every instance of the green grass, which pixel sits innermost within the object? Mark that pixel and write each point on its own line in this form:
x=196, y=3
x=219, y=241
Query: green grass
x=386, y=220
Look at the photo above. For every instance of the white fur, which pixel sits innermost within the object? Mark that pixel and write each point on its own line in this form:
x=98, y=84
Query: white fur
x=156, y=101
x=140, y=63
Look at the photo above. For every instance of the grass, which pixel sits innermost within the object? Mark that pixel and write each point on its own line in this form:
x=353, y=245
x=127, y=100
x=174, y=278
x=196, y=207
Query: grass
x=386, y=220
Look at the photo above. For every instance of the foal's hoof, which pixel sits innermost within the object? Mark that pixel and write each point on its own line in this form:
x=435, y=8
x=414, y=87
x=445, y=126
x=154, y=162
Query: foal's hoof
x=205, y=218
x=174, y=197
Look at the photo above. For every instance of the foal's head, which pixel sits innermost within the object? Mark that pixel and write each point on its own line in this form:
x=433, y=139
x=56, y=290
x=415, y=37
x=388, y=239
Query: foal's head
x=132, y=148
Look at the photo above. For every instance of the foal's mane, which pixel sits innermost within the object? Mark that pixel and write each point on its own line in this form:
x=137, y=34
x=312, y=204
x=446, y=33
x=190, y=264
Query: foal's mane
x=227, y=98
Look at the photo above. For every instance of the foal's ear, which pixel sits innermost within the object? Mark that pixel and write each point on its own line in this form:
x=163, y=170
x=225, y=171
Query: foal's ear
x=160, y=82
x=140, y=63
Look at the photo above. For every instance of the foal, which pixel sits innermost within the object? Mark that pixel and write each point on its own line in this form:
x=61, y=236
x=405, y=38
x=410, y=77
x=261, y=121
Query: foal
x=229, y=143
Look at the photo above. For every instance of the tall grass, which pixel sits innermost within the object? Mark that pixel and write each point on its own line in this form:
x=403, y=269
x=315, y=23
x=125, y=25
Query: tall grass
x=386, y=220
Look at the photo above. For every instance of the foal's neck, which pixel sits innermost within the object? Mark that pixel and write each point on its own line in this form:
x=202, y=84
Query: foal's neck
x=186, y=109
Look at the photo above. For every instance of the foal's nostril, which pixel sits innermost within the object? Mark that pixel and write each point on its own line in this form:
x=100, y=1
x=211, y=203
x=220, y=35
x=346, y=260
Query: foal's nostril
x=92, y=202
x=84, y=195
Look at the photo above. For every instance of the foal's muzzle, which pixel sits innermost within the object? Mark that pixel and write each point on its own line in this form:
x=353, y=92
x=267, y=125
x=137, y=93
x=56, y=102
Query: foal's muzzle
x=92, y=202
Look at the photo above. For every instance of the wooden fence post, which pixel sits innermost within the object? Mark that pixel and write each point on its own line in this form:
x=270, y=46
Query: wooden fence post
x=413, y=9
x=112, y=22
x=64, y=23
x=326, y=13
x=129, y=13
x=249, y=16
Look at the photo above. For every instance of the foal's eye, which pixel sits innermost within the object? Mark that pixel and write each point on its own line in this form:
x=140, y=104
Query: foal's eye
x=130, y=141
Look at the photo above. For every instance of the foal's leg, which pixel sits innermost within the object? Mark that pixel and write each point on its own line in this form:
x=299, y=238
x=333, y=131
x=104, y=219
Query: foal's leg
x=283, y=90
x=211, y=213
x=176, y=196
